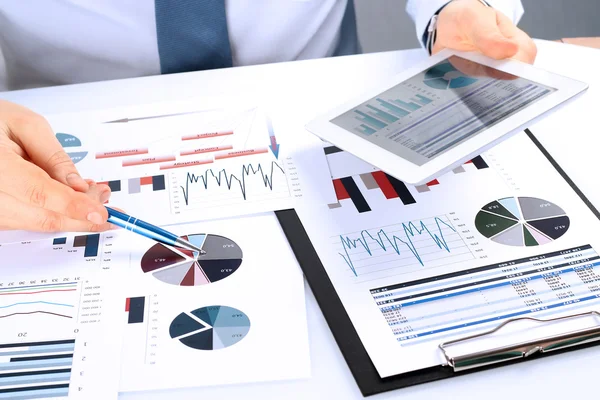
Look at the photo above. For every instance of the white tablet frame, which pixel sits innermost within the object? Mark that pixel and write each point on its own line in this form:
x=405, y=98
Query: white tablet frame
x=567, y=89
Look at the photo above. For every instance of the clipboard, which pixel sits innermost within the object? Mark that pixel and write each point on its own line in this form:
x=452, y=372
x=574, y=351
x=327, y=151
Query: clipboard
x=356, y=356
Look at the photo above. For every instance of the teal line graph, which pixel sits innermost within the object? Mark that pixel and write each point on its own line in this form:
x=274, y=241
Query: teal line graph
x=37, y=302
x=222, y=177
x=394, y=243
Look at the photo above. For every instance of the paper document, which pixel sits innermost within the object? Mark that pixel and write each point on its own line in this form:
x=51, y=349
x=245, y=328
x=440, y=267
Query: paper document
x=229, y=316
x=58, y=333
x=196, y=160
x=500, y=237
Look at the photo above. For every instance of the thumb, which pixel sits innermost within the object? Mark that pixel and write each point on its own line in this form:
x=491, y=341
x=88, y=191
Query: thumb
x=33, y=133
x=492, y=43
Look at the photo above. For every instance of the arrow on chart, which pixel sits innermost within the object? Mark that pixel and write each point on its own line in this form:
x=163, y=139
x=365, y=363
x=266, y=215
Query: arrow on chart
x=273, y=146
x=125, y=120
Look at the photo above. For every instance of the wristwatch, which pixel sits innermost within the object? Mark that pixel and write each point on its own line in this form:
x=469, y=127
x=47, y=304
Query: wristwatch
x=432, y=27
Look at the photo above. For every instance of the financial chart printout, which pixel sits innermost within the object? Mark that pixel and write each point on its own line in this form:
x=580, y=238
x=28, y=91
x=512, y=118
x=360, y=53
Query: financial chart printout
x=439, y=108
x=194, y=320
x=86, y=316
x=196, y=160
x=57, y=337
x=502, y=236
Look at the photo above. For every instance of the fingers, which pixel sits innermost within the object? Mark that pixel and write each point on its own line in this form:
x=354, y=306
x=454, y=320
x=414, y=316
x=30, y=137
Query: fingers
x=487, y=37
x=28, y=184
x=35, y=136
x=15, y=214
x=471, y=68
x=527, y=49
x=468, y=25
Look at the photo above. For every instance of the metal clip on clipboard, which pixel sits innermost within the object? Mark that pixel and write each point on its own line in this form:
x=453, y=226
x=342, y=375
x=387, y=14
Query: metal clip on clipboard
x=523, y=349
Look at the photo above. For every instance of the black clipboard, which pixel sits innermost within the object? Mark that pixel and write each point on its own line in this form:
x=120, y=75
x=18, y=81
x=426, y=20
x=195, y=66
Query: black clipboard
x=352, y=348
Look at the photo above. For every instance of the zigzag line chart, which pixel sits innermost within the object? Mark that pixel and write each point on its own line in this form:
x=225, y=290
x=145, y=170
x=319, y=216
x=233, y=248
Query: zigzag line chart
x=406, y=246
x=234, y=184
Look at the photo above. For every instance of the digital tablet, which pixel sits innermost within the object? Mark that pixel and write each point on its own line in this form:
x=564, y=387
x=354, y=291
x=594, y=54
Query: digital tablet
x=443, y=112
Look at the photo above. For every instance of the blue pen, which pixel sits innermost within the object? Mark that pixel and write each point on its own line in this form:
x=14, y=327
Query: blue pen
x=148, y=230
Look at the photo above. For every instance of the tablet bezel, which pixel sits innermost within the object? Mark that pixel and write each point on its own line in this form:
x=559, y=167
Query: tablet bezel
x=566, y=89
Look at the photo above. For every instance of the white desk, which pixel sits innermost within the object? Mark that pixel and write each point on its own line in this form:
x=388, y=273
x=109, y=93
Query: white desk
x=572, y=137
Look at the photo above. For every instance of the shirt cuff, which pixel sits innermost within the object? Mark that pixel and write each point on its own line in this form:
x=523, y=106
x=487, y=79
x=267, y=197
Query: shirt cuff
x=513, y=9
x=421, y=12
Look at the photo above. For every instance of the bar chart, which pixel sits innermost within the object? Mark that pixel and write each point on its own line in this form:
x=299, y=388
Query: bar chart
x=89, y=243
x=135, y=307
x=36, y=370
x=392, y=188
x=356, y=188
x=378, y=114
x=137, y=185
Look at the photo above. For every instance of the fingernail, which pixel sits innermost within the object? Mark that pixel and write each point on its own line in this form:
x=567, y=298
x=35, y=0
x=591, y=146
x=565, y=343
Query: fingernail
x=105, y=196
x=95, y=218
x=74, y=179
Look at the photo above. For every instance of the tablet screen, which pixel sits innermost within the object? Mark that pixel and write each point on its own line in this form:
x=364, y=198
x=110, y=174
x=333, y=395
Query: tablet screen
x=437, y=109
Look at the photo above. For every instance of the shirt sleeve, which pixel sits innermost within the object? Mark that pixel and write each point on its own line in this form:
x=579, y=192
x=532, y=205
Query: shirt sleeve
x=3, y=76
x=421, y=12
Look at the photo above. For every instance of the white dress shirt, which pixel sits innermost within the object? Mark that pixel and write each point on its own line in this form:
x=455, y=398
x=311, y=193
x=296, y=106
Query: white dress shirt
x=53, y=42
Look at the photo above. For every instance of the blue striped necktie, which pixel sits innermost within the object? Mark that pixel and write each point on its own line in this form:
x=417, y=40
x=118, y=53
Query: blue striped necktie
x=192, y=35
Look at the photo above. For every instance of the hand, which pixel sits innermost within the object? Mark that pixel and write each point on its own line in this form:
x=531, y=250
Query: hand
x=40, y=188
x=468, y=25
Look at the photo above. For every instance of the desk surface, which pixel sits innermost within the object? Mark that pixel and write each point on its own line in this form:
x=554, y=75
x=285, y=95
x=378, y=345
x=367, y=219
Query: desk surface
x=572, y=137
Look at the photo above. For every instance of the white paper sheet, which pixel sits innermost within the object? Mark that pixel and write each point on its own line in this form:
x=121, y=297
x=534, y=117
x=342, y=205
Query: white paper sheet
x=501, y=237
x=260, y=333
x=196, y=160
x=59, y=334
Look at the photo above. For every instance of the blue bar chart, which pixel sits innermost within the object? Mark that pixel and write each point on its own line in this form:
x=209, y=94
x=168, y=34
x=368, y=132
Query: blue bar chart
x=90, y=243
x=36, y=370
x=381, y=112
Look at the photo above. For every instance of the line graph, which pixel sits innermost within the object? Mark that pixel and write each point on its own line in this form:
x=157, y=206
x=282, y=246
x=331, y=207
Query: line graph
x=35, y=301
x=216, y=181
x=35, y=312
x=407, y=246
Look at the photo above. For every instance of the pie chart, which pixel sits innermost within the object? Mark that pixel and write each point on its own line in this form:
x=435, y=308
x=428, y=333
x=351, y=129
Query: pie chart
x=186, y=268
x=444, y=76
x=522, y=221
x=70, y=142
x=210, y=328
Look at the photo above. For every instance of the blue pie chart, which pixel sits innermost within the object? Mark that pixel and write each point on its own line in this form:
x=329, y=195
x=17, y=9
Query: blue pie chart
x=210, y=328
x=70, y=143
x=445, y=76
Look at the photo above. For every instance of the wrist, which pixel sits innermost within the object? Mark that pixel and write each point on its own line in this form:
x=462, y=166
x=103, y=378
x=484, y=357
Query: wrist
x=430, y=34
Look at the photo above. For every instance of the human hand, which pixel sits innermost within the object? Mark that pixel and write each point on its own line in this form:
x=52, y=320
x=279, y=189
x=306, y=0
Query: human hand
x=468, y=25
x=40, y=188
